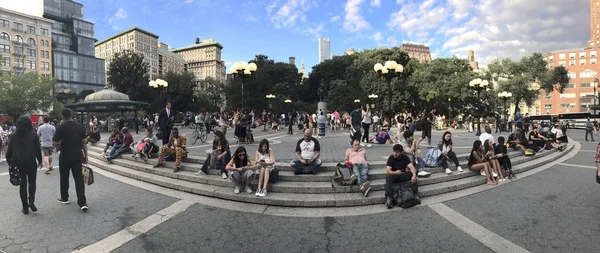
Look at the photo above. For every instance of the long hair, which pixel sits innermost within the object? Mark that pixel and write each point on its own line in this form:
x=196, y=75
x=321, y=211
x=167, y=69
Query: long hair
x=486, y=146
x=476, y=146
x=23, y=126
x=260, y=149
x=236, y=158
x=449, y=142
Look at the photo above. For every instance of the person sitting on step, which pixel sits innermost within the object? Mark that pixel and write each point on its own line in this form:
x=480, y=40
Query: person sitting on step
x=115, y=140
x=357, y=156
x=241, y=170
x=504, y=160
x=396, y=171
x=123, y=148
x=478, y=162
x=176, y=147
x=148, y=145
x=448, y=154
x=308, y=151
x=411, y=150
x=266, y=162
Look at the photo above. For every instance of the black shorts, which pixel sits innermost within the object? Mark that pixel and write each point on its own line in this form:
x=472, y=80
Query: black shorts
x=426, y=133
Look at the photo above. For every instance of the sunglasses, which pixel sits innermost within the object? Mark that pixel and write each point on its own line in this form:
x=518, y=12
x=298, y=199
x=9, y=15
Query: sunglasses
x=241, y=155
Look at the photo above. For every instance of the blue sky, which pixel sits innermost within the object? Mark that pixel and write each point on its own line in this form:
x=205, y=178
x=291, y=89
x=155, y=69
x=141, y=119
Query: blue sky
x=283, y=28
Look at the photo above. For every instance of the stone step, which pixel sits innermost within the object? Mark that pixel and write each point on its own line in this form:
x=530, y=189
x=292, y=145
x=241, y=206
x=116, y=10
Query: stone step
x=311, y=187
x=194, y=164
x=332, y=199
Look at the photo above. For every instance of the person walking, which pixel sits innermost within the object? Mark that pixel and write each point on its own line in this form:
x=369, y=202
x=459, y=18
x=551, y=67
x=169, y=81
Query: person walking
x=70, y=142
x=45, y=133
x=165, y=122
x=366, y=123
x=23, y=150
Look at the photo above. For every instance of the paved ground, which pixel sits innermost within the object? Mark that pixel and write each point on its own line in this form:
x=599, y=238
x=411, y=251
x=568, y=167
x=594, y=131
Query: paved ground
x=333, y=146
x=551, y=211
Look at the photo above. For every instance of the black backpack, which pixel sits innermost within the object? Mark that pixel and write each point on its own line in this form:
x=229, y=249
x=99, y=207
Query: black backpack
x=405, y=197
x=420, y=124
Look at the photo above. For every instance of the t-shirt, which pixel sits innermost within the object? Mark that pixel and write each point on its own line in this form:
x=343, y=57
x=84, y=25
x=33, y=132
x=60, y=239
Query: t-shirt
x=429, y=119
x=485, y=136
x=356, y=118
x=399, y=163
x=400, y=119
x=307, y=149
x=533, y=134
x=382, y=137
x=70, y=135
x=45, y=132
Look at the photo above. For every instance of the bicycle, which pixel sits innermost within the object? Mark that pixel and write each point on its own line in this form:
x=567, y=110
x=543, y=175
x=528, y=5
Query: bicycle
x=199, y=134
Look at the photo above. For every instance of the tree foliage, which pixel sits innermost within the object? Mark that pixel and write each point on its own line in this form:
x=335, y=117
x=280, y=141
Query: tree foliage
x=180, y=91
x=212, y=91
x=128, y=73
x=25, y=94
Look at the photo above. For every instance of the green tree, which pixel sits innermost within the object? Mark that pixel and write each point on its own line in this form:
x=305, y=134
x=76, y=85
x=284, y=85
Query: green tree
x=128, y=73
x=180, y=90
x=213, y=90
x=22, y=94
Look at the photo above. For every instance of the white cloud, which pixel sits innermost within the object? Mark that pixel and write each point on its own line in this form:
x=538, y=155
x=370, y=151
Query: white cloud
x=461, y=8
x=376, y=3
x=314, y=31
x=418, y=18
x=120, y=14
x=353, y=21
x=335, y=18
x=382, y=41
x=290, y=13
x=377, y=37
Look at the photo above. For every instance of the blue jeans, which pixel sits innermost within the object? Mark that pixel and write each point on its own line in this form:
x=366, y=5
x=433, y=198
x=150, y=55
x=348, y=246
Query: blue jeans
x=118, y=152
x=420, y=166
x=114, y=149
x=301, y=168
x=360, y=170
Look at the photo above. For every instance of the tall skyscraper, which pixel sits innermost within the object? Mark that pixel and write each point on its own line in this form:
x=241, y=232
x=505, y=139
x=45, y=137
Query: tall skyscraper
x=79, y=73
x=324, y=49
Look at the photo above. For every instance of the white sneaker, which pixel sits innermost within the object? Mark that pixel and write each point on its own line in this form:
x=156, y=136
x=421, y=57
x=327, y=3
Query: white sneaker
x=362, y=144
x=494, y=173
x=224, y=175
x=481, y=172
x=369, y=145
x=248, y=190
x=236, y=190
x=263, y=192
x=448, y=171
x=423, y=173
x=258, y=192
x=459, y=169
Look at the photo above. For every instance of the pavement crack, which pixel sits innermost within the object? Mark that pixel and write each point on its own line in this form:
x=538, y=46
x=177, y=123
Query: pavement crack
x=329, y=222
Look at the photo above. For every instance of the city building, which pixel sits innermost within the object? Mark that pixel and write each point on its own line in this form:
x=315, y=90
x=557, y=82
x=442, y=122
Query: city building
x=169, y=61
x=203, y=58
x=350, y=51
x=136, y=39
x=292, y=61
x=302, y=71
x=25, y=43
x=471, y=58
x=417, y=51
x=324, y=49
x=79, y=73
x=582, y=66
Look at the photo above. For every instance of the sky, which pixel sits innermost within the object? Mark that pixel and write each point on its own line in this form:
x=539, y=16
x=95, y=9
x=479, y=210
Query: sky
x=284, y=28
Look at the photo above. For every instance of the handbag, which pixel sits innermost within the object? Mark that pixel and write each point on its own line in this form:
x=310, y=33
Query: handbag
x=88, y=174
x=273, y=175
x=13, y=172
x=405, y=197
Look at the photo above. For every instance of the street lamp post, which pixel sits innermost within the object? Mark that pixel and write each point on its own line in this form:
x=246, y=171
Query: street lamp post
x=241, y=70
x=357, y=101
x=449, y=110
x=159, y=84
x=505, y=96
x=269, y=98
x=596, y=82
x=389, y=70
x=373, y=97
x=478, y=85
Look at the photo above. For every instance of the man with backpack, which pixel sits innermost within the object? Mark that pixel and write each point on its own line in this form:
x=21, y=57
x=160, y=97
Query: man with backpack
x=396, y=173
x=427, y=123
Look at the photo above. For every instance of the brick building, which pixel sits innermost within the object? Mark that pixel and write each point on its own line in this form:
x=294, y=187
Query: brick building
x=417, y=51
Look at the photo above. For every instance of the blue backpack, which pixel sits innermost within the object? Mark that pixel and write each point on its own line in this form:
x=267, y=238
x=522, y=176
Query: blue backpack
x=432, y=157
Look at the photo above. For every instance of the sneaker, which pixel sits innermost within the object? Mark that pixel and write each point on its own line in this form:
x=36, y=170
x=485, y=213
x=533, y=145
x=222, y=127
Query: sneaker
x=353, y=177
x=362, y=144
x=236, y=190
x=448, y=171
x=362, y=187
x=177, y=169
x=541, y=149
x=481, y=172
x=369, y=145
x=84, y=208
x=224, y=175
x=248, y=190
x=263, y=192
x=33, y=207
x=367, y=191
x=417, y=199
x=495, y=174
x=423, y=174
x=258, y=192
x=389, y=203
x=63, y=201
x=157, y=165
x=459, y=169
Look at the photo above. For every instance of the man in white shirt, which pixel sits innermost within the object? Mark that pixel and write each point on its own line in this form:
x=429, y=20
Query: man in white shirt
x=486, y=135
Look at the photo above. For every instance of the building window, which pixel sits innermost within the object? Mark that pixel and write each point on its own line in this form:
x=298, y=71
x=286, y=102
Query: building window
x=4, y=23
x=571, y=55
x=561, y=56
x=31, y=64
x=4, y=36
x=548, y=97
x=31, y=29
x=561, y=63
x=592, y=54
x=567, y=95
x=17, y=26
x=31, y=41
x=585, y=85
x=571, y=85
x=5, y=49
x=593, y=61
x=581, y=54
x=588, y=73
x=586, y=105
x=5, y=61
x=44, y=32
x=18, y=38
x=582, y=62
x=31, y=52
x=548, y=106
x=572, y=62
x=567, y=105
x=586, y=95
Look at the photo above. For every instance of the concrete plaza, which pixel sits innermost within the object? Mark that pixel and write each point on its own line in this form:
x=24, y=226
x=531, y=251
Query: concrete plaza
x=549, y=209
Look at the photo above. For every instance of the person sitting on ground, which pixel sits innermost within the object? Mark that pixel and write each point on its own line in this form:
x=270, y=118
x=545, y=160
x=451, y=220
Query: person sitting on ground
x=478, y=162
x=448, y=154
x=175, y=147
x=148, y=145
x=266, y=162
x=396, y=173
x=218, y=156
x=411, y=150
x=357, y=157
x=123, y=148
x=504, y=160
x=93, y=137
x=240, y=169
x=541, y=141
x=516, y=140
x=308, y=151
x=382, y=137
x=559, y=135
x=488, y=152
x=115, y=140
